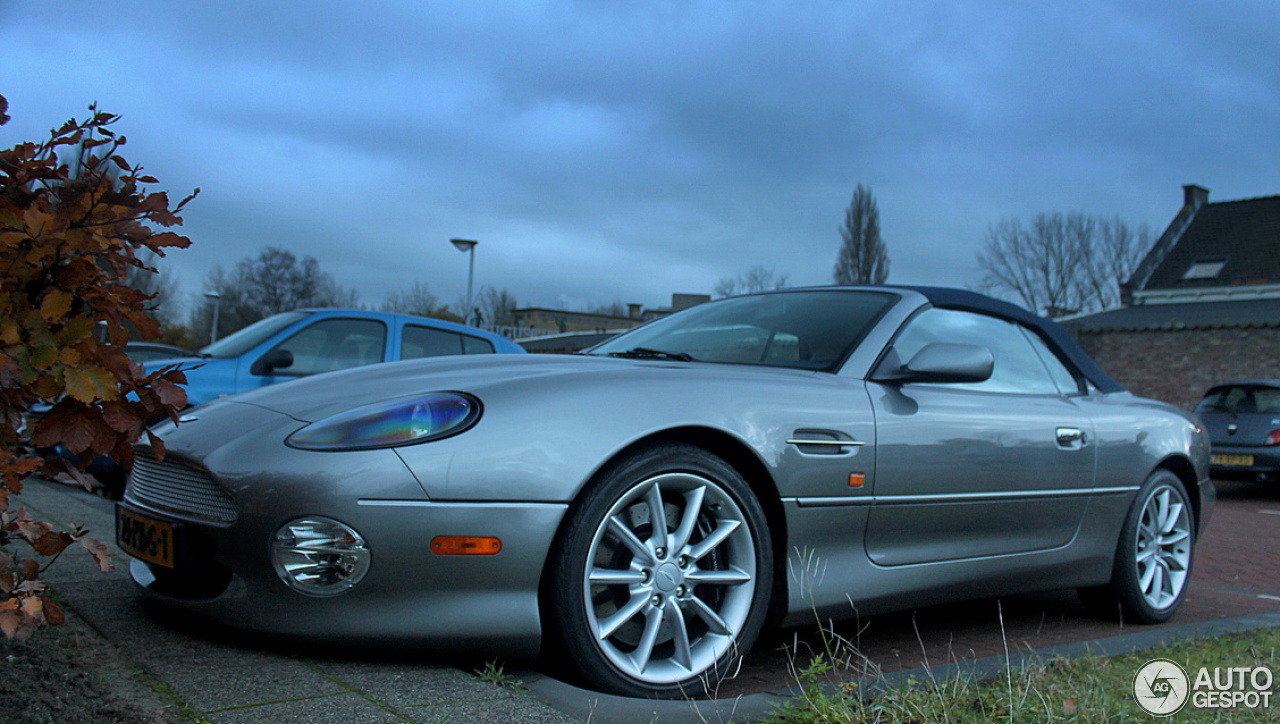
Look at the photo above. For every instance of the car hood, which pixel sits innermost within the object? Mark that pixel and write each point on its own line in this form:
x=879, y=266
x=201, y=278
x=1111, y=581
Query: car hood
x=313, y=398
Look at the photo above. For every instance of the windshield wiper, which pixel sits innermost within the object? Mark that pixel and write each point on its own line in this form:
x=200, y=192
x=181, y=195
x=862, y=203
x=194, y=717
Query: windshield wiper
x=647, y=353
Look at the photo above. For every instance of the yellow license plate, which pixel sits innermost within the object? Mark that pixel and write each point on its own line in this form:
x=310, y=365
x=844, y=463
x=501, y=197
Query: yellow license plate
x=145, y=538
x=1223, y=459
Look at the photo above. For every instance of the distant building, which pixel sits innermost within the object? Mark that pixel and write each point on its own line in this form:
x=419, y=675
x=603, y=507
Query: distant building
x=560, y=321
x=1203, y=307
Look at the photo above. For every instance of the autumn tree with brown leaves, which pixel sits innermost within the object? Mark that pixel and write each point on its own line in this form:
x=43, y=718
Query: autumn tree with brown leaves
x=74, y=220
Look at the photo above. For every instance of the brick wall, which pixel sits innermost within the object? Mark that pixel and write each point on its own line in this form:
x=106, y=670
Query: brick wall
x=1177, y=366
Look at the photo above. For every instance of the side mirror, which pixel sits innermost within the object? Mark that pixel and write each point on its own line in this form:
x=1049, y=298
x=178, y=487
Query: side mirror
x=940, y=362
x=274, y=360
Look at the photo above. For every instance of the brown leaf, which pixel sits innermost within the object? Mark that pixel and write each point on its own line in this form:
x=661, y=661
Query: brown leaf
x=56, y=304
x=1070, y=706
x=30, y=528
x=77, y=434
x=101, y=554
x=53, y=613
x=33, y=608
x=9, y=618
x=170, y=394
x=52, y=543
x=157, y=445
x=119, y=416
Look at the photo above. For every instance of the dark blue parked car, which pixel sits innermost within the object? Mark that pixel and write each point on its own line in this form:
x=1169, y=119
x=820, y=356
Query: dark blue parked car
x=1243, y=422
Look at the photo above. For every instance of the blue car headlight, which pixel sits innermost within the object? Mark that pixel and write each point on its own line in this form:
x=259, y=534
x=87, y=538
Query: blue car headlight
x=403, y=421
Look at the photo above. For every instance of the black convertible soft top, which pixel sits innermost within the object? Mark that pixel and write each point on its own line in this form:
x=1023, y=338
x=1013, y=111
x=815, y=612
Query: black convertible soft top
x=1051, y=331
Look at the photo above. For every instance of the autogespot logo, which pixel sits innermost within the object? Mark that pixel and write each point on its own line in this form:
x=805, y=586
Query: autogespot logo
x=1161, y=687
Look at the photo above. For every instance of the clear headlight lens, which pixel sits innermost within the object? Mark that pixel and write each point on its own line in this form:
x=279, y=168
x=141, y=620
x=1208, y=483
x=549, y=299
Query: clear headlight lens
x=391, y=423
x=319, y=556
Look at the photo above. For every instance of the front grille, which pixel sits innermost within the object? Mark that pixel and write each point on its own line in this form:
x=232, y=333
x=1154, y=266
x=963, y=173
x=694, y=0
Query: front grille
x=180, y=489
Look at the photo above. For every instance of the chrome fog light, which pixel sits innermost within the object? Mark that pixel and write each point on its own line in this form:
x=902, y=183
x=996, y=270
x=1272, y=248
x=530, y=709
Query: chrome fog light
x=319, y=556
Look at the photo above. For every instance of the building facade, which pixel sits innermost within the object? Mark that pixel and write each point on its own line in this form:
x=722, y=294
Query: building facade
x=1202, y=308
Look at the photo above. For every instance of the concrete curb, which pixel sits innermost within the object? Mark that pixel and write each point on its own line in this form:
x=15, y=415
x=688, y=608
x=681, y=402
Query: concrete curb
x=593, y=706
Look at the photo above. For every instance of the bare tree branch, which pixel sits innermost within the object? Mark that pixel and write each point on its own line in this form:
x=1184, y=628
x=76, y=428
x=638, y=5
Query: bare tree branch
x=1061, y=263
x=756, y=279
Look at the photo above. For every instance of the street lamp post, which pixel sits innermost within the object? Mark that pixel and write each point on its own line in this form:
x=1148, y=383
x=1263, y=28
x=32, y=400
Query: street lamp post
x=464, y=246
x=217, y=300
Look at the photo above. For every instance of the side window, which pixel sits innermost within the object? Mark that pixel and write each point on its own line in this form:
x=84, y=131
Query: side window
x=1018, y=368
x=1062, y=377
x=334, y=344
x=475, y=345
x=421, y=342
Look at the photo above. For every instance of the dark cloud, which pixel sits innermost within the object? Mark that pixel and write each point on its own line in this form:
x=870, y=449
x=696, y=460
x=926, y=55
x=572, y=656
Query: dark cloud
x=608, y=151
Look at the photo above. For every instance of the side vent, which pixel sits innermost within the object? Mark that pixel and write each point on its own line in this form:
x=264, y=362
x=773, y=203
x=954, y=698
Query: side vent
x=823, y=442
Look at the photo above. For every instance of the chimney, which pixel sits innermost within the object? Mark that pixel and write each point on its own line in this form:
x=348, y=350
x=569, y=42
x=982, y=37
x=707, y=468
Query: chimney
x=1194, y=196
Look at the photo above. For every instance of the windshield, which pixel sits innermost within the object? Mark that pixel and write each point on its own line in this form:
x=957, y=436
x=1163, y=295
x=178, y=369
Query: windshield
x=236, y=344
x=811, y=330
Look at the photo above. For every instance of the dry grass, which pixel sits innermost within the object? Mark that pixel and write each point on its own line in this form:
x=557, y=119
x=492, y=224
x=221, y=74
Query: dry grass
x=1089, y=690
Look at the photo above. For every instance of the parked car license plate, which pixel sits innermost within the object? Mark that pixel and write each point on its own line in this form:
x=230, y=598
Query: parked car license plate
x=1224, y=459
x=145, y=538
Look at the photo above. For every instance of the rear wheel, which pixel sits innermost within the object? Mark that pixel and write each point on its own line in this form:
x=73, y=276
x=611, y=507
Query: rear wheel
x=1153, y=558
x=661, y=581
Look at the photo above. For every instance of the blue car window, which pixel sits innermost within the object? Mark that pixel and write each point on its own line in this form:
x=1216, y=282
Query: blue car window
x=334, y=344
x=475, y=345
x=418, y=342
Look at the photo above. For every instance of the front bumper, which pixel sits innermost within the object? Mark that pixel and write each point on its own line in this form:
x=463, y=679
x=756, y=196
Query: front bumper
x=410, y=595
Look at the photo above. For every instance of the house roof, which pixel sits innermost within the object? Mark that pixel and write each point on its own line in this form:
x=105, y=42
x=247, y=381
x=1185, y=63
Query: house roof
x=1185, y=315
x=1225, y=244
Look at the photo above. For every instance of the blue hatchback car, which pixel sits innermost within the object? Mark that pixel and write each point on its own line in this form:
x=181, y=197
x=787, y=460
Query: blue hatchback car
x=310, y=341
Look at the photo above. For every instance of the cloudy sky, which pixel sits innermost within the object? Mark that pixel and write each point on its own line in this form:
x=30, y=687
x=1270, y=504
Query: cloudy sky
x=610, y=150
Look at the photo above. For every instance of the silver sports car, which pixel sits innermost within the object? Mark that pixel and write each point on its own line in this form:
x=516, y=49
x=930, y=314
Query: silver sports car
x=644, y=509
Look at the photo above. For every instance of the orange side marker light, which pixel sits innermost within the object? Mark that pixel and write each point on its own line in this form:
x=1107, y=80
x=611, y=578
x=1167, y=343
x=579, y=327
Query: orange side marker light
x=856, y=480
x=465, y=545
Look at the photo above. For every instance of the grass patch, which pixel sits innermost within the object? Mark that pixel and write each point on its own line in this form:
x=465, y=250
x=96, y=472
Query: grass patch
x=1081, y=690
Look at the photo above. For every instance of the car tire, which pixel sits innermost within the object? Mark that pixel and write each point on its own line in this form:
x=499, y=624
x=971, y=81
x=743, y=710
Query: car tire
x=665, y=609
x=1153, y=557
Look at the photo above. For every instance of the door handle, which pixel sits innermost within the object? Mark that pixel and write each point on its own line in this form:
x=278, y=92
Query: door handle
x=1071, y=438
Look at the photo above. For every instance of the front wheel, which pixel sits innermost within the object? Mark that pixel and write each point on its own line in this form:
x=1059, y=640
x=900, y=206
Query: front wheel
x=1153, y=558
x=661, y=580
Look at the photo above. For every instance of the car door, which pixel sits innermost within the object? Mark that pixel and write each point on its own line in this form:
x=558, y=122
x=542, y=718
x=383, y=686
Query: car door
x=971, y=470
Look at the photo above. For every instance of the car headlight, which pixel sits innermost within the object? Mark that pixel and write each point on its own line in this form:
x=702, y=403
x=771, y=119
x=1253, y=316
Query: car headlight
x=405, y=421
x=319, y=556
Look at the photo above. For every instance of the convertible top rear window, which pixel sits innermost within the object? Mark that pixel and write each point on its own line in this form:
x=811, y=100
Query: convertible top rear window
x=811, y=330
